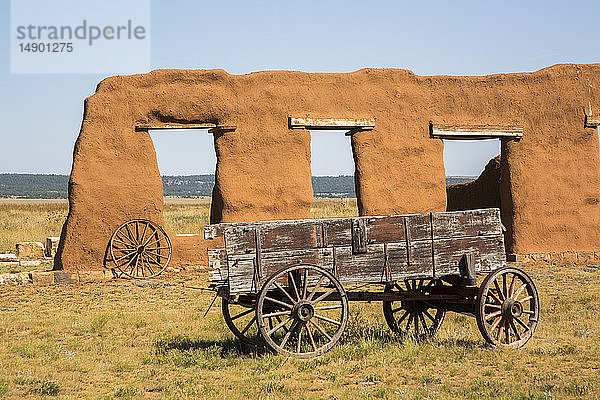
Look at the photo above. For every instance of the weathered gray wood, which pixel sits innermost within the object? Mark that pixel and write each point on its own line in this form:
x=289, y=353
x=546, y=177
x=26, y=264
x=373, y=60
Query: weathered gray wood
x=338, y=232
x=466, y=224
x=420, y=265
x=462, y=132
x=361, y=249
x=351, y=268
x=331, y=123
x=359, y=236
x=291, y=236
x=276, y=261
x=241, y=275
x=488, y=253
x=385, y=229
x=217, y=260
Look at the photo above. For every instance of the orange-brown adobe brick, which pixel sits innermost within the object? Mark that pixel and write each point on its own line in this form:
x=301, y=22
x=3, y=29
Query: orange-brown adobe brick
x=551, y=178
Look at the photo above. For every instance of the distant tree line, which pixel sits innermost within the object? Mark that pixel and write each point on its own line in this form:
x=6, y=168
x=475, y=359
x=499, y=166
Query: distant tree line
x=39, y=186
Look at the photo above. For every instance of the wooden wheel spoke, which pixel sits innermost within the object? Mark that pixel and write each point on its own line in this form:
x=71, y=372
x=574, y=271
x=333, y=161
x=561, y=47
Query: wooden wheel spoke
x=332, y=321
x=127, y=244
x=131, y=236
x=125, y=256
x=512, y=285
x=492, y=315
x=312, y=293
x=284, y=292
x=144, y=233
x=519, y=290
x=495, y=323
x=332, y=307
x=311, y=338
x=148, y=264
x=320, y=329
x=398, y=287
x=402, y=318
x=515, y=330
x=493, y=296
x=323, y=296
x=500, y=326
x=281, y=303
x=492, y=305
x=156, y=254
x=149, y=243
x=299, y=342
x=288, y=334
x=278, y=326
x=525, y=299
x=523, y=324
x=275, y=314
x=248, y=325
x=305, y=282
x=428, y=315
x=500, y=294
x=411, y=320
x=294, y=286
x=416, y=323
x=423, y=323
x=246, y=312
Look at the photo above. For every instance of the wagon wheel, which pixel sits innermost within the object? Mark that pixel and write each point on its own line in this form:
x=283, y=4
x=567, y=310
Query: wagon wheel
x=508, y=307
x=313, y=306
x=418, y=318
x=140, y=249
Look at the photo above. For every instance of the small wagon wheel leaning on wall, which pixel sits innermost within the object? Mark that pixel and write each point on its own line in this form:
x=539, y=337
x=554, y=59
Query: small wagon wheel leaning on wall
x=313, y=307
x=508, y=308
x=140, y=249
x=418, y=318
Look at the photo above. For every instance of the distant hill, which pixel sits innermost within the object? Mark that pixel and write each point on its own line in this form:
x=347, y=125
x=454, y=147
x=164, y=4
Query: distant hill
x=38, y=186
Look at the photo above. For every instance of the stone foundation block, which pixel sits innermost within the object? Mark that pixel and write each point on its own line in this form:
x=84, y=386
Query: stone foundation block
x=8, y=257
x=42, y=277
x=65, y=277
x=30, y=250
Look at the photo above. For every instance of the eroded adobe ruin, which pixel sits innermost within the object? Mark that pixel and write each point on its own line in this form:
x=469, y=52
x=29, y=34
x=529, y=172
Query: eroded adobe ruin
x=549, y=181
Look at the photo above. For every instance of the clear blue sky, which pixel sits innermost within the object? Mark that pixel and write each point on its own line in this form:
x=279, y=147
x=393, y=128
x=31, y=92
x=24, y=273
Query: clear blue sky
x=429, y=38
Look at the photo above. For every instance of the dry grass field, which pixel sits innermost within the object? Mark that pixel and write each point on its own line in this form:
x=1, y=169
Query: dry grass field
x=134, y=340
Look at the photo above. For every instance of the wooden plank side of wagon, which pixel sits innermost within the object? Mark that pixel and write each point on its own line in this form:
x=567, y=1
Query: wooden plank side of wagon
x=475, y=232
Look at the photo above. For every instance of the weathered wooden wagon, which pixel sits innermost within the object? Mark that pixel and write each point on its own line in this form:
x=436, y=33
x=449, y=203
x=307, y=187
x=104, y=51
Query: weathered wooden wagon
x=287, y=284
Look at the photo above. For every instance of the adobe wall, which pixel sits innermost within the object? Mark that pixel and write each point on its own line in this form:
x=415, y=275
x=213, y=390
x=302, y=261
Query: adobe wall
x=484, y=192
x=550, y=195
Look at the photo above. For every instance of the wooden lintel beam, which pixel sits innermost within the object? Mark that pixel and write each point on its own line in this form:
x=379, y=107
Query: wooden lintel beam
x=222, y=129
x=473, y=132
x=349, y=124
x=211, y=127
x=591, y=121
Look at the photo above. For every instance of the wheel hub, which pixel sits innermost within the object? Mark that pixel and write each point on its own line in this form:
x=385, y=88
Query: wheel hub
x=303, y=311
x=512, y=308
x=140, y=249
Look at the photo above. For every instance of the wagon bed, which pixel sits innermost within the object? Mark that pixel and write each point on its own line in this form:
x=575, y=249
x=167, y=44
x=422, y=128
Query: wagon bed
x=359, y=250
